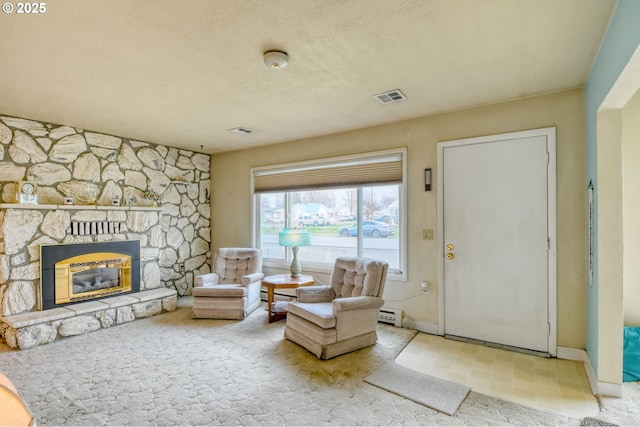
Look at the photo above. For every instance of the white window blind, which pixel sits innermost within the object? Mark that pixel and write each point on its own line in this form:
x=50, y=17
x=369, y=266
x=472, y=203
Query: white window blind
x=365, y=170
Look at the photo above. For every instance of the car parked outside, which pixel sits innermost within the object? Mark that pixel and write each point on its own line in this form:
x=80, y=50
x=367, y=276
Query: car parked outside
x=369, y=228
x=306, y=220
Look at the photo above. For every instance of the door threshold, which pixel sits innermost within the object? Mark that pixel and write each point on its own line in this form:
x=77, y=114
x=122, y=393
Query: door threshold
x=500, y=346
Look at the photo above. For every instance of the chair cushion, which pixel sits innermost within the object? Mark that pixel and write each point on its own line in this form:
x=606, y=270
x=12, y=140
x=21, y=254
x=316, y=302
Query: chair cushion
x=318, y=293
x=354, y=277
x=319, y=313
x=227, y=290
x=232, y=264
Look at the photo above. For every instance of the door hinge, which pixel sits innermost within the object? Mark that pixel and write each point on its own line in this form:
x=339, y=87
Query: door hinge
x=548, y=157
x=548, y=329
x=548, y=243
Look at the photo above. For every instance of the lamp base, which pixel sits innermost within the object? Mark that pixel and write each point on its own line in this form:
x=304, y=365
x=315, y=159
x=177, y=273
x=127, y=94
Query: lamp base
x=295, y=269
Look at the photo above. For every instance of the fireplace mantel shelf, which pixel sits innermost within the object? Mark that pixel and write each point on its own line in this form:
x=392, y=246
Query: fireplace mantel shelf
x=79, y=207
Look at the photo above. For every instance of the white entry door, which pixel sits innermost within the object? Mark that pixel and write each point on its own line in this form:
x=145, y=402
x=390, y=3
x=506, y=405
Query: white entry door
x=498, y=238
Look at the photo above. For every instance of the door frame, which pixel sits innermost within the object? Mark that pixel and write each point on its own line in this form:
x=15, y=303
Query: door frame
x=552, y=280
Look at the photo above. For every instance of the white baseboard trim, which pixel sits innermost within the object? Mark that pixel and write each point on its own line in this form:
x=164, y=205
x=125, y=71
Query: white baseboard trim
x=579, y=355
x=597, y=387
x=570, y=353
x=426, y=327
x=609, y=389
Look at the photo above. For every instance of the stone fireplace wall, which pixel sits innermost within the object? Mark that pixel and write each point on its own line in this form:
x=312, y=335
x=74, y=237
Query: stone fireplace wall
x=94, y=168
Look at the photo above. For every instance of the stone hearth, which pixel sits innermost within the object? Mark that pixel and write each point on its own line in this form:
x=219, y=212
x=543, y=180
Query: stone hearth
x=35, y=328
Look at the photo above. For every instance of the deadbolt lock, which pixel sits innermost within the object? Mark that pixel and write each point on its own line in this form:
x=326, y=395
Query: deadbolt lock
x=450, y=247
x=449, y=255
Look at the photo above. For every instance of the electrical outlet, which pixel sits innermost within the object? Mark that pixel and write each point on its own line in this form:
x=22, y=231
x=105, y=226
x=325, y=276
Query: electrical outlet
x=181, y=268
x=427, y=234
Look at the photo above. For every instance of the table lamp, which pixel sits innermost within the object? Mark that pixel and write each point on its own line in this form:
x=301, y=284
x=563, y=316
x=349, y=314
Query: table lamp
x=13, y=410
x=294, y=238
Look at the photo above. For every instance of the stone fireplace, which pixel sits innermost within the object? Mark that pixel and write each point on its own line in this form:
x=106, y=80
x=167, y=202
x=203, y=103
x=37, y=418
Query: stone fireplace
x=59, y=281
x=163, y=203
x=81, y=272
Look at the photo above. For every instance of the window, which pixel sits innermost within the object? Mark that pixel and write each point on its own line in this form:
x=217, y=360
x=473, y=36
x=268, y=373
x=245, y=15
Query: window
x=351, y=207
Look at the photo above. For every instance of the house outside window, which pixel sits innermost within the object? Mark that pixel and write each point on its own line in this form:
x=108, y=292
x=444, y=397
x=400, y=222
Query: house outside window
x=351, y=206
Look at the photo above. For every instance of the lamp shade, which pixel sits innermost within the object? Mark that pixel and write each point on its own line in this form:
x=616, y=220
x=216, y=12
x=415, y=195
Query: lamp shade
x=13, y=410
x=293, y=237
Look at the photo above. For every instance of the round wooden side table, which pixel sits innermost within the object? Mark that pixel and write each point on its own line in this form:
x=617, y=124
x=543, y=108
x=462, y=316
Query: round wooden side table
x=282, y=281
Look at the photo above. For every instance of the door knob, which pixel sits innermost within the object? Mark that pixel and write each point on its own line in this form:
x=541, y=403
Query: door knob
x=449, y=255
x=450, y=247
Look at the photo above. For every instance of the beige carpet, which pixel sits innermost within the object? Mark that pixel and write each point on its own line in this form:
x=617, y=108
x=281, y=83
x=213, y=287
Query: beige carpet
x=173, y=370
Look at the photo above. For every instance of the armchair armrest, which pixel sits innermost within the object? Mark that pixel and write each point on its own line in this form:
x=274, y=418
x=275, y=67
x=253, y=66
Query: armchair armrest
x=206, y=279
x=250, y=278
x=320, y=293
x=356, y=303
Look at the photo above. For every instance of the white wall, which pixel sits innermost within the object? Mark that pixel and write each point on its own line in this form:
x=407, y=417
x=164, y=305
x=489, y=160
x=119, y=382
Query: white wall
x=631, y=210
x=231, y=198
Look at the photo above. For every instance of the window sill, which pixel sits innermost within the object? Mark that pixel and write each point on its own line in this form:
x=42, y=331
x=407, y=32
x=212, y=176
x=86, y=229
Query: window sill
x=325, y=269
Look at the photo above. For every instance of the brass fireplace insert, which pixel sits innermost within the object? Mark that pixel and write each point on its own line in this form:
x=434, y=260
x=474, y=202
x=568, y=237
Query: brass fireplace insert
x=77, y=272
x=84, y=277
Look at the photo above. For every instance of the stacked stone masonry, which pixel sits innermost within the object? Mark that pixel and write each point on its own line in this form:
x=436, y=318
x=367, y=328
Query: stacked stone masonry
x=31, y=329
x=164, y=194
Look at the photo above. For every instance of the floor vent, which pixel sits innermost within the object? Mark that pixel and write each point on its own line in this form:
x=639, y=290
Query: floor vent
x=391, y=316
x=390, y=96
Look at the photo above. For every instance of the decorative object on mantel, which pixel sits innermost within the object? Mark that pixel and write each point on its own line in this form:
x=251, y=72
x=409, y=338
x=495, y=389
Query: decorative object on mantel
x=130, y=201
x=153, y=197
x=26, y=192
x=294, y=238
x=92, y=191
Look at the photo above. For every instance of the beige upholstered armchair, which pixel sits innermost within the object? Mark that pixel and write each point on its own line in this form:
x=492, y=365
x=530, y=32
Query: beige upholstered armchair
x=232, y=290
x=342, y=317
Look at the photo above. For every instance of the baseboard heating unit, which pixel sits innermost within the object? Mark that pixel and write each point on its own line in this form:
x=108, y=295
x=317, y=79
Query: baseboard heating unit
x=391, y=316
x=277, y=297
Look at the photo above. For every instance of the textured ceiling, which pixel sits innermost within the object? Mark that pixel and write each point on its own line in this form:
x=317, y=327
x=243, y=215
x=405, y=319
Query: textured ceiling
x=181, y=73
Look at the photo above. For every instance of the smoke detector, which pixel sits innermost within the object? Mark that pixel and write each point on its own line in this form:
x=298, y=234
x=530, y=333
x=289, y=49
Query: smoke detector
x=276, y=59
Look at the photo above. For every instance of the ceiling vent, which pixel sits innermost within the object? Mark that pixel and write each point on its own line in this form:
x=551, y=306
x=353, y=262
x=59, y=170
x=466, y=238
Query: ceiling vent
x=390, y=96
x=241, y=131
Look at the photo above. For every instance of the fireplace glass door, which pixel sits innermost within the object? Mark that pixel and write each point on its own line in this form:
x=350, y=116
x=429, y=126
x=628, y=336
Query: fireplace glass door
x=86, y=276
